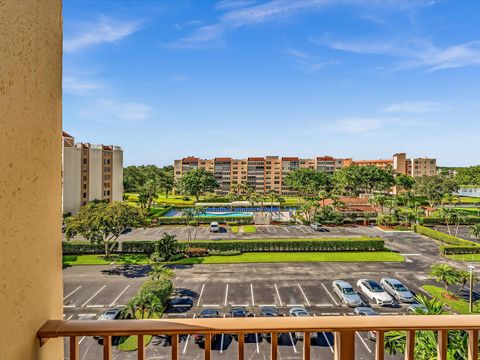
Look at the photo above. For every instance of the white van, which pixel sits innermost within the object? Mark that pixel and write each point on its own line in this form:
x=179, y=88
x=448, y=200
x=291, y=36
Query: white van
x=214, y=227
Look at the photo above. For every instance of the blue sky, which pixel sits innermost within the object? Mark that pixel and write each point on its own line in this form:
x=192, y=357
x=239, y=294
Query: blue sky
x=348, y=78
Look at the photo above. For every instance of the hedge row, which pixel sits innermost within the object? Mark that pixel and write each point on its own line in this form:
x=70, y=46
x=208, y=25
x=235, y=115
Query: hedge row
x=69, y=248
x=177, y=220
x=159, y=212
x=280, y=245
x=433, y=220
x=459, y=250
x=446, y=238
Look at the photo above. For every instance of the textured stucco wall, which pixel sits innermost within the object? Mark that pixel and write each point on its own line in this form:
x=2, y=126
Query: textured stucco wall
x=95, y=184
x=72, y=176
x=30, y=178
x=117, y=176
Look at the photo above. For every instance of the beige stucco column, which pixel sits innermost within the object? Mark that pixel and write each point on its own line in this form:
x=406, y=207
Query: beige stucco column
x=30, y=176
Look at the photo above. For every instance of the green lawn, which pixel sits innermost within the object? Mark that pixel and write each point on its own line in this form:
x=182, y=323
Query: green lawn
x=464, y=257
x=234, y=229
x=123, y=259
x=460, y=306
x=130, y=343
x=249, y=229
x=273, y=257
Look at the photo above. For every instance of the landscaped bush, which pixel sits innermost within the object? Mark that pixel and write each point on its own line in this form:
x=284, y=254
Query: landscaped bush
x=224, y=253
x=438, y=235
x=195, y=252
x=161, y=289
x=232, y=223
x=433, y=220
x=177, y=220
x=178, y=256
x=459, y=250
x=76, y=248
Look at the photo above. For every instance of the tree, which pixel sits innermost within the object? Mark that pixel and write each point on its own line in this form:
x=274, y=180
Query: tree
x=197, y=182
x=405, y=182
x=353, y=180
x=274, y=197
x=159, y=272
x=198, y=211
x=188, y=214
x=474, y=231
x=463, y=276
x=434, y=188
x=306, y=181
x=426, y=341
x=166, y=247
x=132, y=178
x=444, y=273
x=102, y=223
x=167, y=180
x=144, y=305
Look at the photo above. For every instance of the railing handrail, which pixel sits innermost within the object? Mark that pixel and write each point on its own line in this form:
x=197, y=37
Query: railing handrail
x=63, y=328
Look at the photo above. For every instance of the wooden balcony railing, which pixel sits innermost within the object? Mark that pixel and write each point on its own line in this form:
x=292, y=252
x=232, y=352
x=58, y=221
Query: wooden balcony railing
x=343, y=327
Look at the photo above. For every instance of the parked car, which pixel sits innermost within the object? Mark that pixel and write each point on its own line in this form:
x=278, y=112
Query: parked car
x=239, y=311
x=205, y=314
x=397, y=290
x=300, y=312
x=374, y=292
x=316, y=226
x=417, y=309
x=214, y=227
x=269, y=311
x=366, y=311
x=346, y=293
x=111, y=314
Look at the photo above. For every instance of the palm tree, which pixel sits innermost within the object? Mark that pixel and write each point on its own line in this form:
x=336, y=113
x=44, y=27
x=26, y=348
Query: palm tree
x=426, y=341
x=449, y=217
x=462, y=277
x=188, y=215
x=274, y=197
x=322, y=196
x=444, y=273
x=198, y=212
x=166, y=247
x=475, y=231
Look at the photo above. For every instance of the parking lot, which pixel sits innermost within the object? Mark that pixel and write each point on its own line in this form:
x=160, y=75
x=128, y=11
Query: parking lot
x=263, y=231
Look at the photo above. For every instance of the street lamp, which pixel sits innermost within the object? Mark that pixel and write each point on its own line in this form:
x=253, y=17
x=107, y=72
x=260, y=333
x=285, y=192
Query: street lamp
x=471, y=267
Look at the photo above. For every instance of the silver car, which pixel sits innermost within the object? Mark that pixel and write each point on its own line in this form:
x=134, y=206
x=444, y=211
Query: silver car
x=112, y=314
x=366, y=311
x=397, y=290
x=347, y=295
x=300, y=312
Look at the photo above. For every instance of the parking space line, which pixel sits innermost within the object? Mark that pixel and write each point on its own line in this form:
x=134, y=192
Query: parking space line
x=328, y=292
x=221, y=340
x=73, y=292
x=256, y=340
x=363, y=341
x=68, y=306
x=268, y=228
x=274, y=229
x=86, y=302
x=265, y=305
x=293, y=343
x=211, y=305
x=95, y=306
x=330, y=314
x=200, y=296
x=118, y=297
x=80, y=341
x=286, y=229
x=226, y=295
x=186, y=341
x=301, y=228
x=324, y=305
x=303, y=293
x=71, y=316
x=278, y=294
x=328, y=342
x=253, y=299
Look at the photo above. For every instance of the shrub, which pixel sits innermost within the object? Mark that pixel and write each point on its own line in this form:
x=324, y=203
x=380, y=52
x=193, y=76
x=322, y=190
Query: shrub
x=224, y=253
x=387, y=220
x=178, y=256
x=195, y=252
x=434, y=220
x=279, y=245
x=459, y=250
x=75, y=248
x=438, y=235
x=232, y=223
x=161, y=289
x=192, y=223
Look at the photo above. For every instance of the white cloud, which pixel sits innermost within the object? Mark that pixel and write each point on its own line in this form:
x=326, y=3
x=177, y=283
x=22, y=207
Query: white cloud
x=412, y=53
x=233, y=4
x=307, y=62
x=414, y=107
x=104, y=30
x=74, y=85
x=111, y=110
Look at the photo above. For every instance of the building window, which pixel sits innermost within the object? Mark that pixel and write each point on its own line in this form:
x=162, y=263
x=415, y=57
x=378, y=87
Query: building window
x=84, y=195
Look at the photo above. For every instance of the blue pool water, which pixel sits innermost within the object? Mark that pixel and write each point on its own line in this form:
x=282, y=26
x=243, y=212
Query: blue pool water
x=226, y=214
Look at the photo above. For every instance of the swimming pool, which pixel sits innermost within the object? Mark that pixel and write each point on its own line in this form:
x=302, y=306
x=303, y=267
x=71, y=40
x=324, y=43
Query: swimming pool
x=226, y=214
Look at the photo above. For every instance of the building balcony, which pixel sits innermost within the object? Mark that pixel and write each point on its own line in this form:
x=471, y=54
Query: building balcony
x=344, y=330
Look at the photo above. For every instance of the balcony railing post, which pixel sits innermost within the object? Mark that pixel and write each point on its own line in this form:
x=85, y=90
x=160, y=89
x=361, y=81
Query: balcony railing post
x=442, y=344
x=473, y=345
x=175, y=353
x=274, y=346
x=241, y=347
x=410, y=345
x=345, y=345
x=208, y=347
x=74, y=348
x=306, y=345
x=380, y=346
x=107, y=347
x=141, y=347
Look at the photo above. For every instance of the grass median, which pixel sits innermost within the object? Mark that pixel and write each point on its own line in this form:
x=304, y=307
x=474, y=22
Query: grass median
x=458, y=305
x=257, y=257
x=464, y=257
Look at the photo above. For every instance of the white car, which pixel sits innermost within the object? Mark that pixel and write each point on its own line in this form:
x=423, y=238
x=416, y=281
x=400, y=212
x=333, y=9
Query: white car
x=397, y=290
x=374, y=292
x=214, y=227
x=346, y=293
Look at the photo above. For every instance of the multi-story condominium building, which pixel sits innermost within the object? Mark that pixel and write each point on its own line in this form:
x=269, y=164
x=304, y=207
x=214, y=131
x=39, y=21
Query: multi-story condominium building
x=90, y=172
x=268, y=173
x=415, y=167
